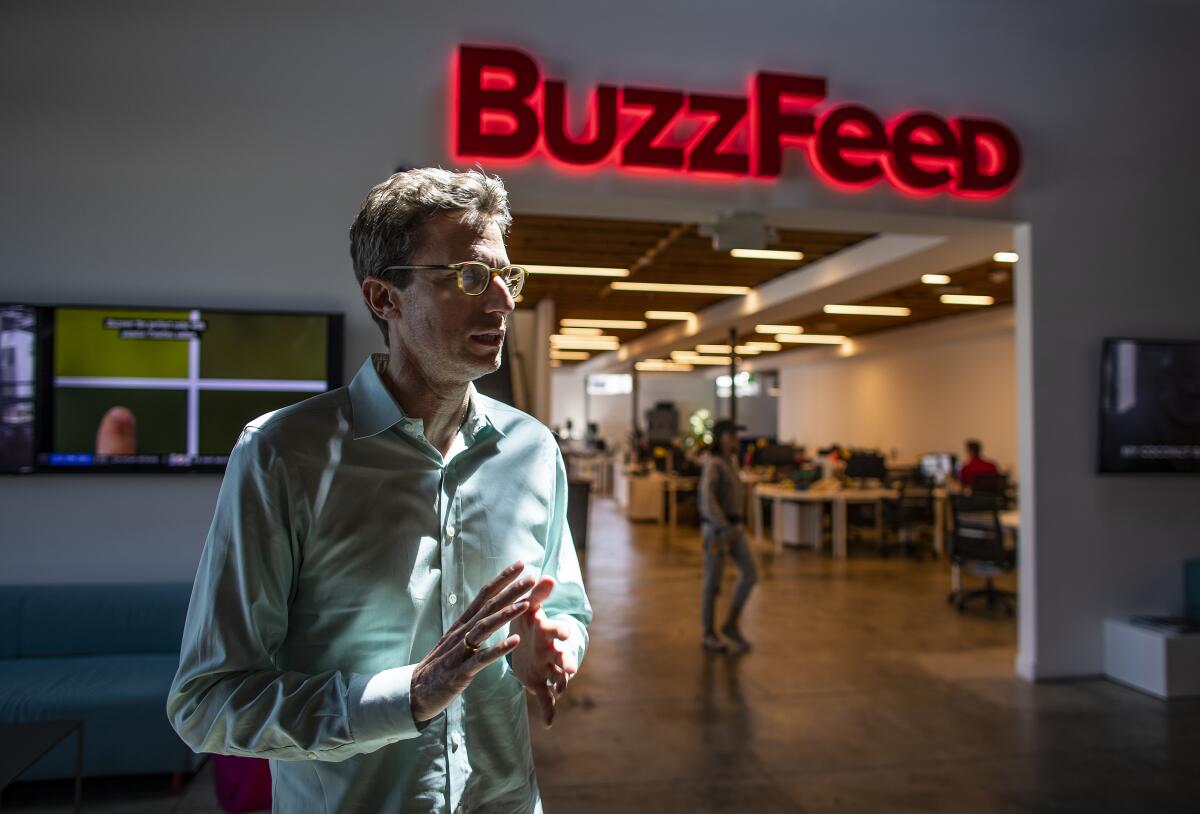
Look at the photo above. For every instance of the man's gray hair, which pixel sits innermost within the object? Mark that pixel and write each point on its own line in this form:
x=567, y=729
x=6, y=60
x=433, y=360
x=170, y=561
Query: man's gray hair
x=389, y=229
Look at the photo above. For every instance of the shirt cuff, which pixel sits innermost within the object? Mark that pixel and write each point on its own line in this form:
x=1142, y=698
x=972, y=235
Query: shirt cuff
x=380, y=706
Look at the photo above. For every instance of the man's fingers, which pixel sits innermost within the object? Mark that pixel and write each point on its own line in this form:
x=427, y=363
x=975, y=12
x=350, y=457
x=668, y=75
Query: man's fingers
x=485, y=657
x=495, y=585
x=547, y=698
x=482, y=606
x=488, y=625
x=541, y=591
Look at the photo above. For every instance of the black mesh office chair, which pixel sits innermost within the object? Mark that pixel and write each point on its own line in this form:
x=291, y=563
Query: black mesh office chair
x=977, y=546
x=908, y=521
x=991, y=483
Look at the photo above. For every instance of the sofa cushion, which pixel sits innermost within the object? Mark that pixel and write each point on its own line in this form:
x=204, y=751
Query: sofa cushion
x=121, y=700
x=66, y=620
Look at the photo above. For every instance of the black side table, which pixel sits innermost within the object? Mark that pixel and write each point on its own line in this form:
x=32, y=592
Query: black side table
x=24, y=744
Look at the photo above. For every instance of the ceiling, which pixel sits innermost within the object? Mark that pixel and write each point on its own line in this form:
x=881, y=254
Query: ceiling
x=668, y=252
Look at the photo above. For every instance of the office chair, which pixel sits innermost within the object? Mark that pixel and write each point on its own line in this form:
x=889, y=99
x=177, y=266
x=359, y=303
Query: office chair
x=991, y=483
x=977, y=547
x=908, y=520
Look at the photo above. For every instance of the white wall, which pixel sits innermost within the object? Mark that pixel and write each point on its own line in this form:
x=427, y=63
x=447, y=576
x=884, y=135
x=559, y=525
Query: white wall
x=916, y=390
x=216, y=153
x=613, y=414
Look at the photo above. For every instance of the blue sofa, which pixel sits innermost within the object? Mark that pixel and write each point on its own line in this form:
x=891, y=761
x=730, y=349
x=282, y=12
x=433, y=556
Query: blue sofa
x=105, y=654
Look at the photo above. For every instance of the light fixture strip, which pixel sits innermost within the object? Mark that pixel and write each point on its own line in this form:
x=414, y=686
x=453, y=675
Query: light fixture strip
x=1006, y=257
x=584, y=342
x=967, y=299
x=747, y=350
x=680, y=316
x=615, y=324
x=778, y=329
x=766, y=254
x=811, y=339
x=682, y=288
x=578, y=271
x=765, y=346
x=714, y=349
x=869, y=310
x=935, y=279
x=582, y=331
x=569, y=355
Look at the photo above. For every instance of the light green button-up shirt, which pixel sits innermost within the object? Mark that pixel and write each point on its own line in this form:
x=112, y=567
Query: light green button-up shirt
x=342, y=547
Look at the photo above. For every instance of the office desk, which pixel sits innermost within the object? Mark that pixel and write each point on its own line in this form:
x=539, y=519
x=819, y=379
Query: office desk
x=674, y=484
x=814, y=499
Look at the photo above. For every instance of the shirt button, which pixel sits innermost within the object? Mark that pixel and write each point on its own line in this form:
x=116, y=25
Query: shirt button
x=312, y=755
x=450, y=530
x=452, y=598
x=455, y=741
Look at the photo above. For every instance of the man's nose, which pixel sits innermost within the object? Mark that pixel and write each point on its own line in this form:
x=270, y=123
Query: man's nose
x=497, y=297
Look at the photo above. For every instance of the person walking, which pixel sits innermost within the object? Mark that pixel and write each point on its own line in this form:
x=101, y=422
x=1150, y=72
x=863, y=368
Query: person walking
x=721, y=499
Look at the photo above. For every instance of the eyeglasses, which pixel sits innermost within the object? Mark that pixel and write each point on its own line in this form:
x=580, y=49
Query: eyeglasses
x=474, y=277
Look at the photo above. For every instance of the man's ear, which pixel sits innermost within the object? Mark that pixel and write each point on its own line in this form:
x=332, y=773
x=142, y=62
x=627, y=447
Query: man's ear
x=383, y=299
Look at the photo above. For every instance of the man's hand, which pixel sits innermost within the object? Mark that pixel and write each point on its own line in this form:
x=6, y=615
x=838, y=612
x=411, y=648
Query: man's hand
x=539, y=663
x=456, y=659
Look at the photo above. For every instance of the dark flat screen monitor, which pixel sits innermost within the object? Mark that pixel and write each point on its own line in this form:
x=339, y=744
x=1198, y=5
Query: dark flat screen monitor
x=18, y=387
x=1150, y=406
x=147, y=389
x=866, y=466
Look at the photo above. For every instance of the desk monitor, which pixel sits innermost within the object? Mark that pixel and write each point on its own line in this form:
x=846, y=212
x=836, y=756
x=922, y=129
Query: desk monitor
x=938, y=467
x=866, y=466
x=775, y=455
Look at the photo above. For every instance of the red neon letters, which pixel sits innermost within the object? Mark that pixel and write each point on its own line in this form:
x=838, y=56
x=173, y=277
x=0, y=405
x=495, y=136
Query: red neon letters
x=506, y=110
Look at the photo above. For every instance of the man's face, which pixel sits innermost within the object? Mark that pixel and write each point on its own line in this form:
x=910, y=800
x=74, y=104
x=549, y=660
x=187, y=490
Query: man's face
x=452, y=337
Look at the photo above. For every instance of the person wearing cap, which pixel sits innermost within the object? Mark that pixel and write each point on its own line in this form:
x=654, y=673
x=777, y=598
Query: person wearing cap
x=389, y=569
x=721, y=497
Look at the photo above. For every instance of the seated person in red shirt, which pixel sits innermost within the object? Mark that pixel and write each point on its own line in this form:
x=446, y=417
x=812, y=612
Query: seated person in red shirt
x=976, y=464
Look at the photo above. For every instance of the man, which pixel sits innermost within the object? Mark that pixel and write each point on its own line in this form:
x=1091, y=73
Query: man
x=327, y=628
x=975, y=465
x=721, y=498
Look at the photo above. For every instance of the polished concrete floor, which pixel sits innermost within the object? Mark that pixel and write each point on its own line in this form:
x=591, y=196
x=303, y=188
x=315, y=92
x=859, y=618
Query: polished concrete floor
x=865, y=692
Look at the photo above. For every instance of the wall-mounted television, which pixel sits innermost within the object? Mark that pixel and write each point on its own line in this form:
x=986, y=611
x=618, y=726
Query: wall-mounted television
x=1150, y=406
x=18, y=382
x=121, y=389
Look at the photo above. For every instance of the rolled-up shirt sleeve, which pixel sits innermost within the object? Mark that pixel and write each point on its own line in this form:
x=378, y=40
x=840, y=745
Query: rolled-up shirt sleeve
x=568, y=602
x=228, y=696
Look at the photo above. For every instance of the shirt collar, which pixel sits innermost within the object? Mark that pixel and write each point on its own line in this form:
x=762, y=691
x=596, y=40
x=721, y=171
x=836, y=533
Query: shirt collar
x=373, y=410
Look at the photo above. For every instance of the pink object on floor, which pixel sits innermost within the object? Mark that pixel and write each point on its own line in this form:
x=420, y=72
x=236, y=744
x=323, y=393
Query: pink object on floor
x=242, y=783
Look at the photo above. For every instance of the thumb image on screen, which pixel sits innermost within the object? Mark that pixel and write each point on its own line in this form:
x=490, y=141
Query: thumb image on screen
x=117, y=434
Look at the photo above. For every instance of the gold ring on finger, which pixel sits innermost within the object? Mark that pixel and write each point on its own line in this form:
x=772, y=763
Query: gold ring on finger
x=472, y=649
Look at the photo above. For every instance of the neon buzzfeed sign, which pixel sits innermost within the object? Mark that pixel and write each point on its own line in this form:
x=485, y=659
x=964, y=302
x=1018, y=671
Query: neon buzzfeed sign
x=505, y=109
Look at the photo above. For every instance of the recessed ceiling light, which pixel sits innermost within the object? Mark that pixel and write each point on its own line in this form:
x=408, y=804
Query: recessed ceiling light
x=575, y=355
x=779, y=329
x=617, y=324
x=681, y=316
x=682, y=288
x=714, y=349
x=765, y=346
x=1006, y=257
x=747, y=350
x=766, y=254
x=578, y=271
x=662, y=366
x=935, y=279
x=584, y=342
x=967, y=299
x=811, y=339
x=691, y=358
x=582, y=331
x=869, y=310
